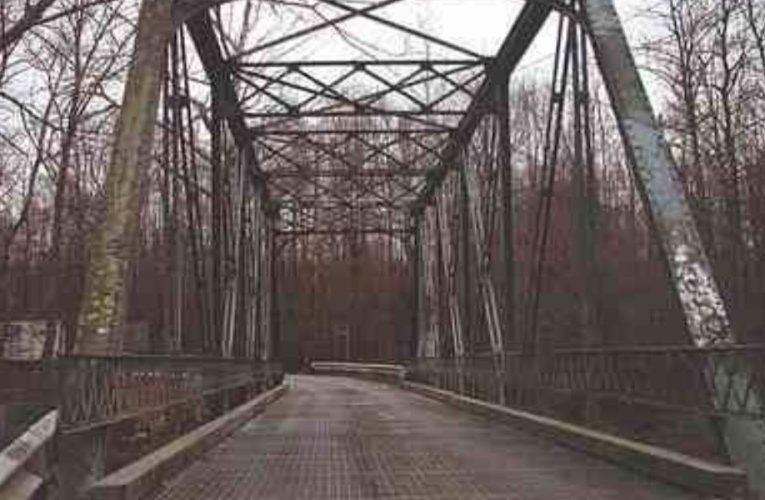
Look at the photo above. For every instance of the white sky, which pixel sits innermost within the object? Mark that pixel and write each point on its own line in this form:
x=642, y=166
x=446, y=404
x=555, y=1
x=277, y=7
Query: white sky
x=483, y=24
x=480, y=25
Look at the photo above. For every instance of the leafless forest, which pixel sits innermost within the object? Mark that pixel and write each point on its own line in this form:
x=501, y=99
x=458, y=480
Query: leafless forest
x=62, y=64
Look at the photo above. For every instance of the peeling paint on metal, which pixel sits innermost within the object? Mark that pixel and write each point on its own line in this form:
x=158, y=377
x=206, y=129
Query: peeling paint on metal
x=691, y=271
x=704, y=309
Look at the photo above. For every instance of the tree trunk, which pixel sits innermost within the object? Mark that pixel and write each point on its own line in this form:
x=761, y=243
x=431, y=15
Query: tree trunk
x=113, y=244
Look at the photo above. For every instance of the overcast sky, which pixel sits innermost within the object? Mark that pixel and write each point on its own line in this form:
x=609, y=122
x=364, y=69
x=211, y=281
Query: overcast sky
x=483, y=24
x=479, y=25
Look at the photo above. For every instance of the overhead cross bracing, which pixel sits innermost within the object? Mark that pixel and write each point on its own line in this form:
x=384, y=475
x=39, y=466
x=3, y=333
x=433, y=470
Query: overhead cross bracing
x=428, y=114
x=383, y=139
x=356, y=142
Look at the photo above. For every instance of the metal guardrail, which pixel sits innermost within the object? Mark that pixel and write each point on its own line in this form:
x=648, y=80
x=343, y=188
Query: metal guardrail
x=23, y=463
x=97, y=391
x=718, y=381
x=112, y=410
x=21, y=381
x=92, y=390
x=376, y=370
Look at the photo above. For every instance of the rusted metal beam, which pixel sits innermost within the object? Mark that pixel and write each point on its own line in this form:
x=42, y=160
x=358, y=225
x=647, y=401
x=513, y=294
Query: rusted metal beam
x=225, y=99
x=186, y=9
x=342, y=231
x=425, y=63
x=507, y=237
x=402, y=113
x=341, y=173
x=528, y=24
x=405, y=29
x=265, y=132
x=289, y=198
x=286, y=158
x=482, y=265
x=356, y=105
x=672, y=221
x=417, y=274
x=218, y=72
x=444, y=241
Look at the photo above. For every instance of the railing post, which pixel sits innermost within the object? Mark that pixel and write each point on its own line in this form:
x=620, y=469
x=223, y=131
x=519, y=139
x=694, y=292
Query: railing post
x=672, y=221
x=416, y=347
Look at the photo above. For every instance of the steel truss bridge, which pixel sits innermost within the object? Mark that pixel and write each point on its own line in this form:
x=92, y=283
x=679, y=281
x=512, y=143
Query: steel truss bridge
x=310, y=153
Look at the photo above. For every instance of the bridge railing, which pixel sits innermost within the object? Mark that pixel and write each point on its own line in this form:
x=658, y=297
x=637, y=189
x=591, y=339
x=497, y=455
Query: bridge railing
x=96, y=391
x=711, y=381
x=22, y=381
x=113, y=410
x=379, y=371
x=24, y=470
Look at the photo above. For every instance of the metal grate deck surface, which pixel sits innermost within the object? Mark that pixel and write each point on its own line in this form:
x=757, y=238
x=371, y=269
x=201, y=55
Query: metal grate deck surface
x=334, y=438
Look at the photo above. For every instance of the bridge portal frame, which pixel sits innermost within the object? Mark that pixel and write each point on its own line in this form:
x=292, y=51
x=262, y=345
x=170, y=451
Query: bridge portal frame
x=683, y=253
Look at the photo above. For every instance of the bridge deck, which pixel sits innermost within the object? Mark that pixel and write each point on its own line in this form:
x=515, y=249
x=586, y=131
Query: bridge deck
x=337, y=438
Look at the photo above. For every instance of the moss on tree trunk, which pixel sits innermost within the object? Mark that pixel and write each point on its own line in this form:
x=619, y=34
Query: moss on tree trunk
x=114, y=241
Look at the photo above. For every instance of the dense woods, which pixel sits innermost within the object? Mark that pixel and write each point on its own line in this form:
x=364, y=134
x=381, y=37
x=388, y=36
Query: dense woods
x=62, y=67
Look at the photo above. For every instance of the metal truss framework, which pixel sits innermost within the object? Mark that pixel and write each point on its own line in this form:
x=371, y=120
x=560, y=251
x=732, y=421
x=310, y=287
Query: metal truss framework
x=364, y=153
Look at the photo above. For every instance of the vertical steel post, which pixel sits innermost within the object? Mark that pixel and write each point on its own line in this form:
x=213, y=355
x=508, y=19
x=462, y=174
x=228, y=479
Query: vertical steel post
x=507, y=233
x=672, y=222
x=486, y=291
x=273, y=335
x=216, y=298
x=259, y=272
x=417, y=283
x=440, y=283
x=428, y=338
x=507, y=239
x=477, y=234
x=584, y=225
x=252, y=278
x=113, y=243
x=264, y=289
x=463, y=267
x=453, y=304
